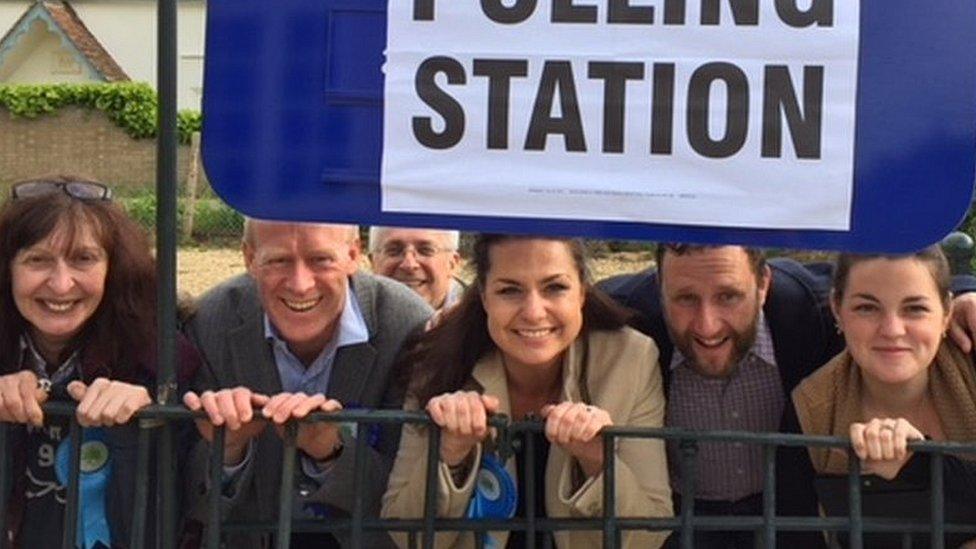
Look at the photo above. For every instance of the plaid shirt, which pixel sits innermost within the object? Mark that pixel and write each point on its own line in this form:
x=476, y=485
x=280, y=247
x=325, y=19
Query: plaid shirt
x=751, y=399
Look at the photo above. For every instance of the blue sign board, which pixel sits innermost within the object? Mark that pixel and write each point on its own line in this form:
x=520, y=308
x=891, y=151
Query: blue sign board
x=315, y=110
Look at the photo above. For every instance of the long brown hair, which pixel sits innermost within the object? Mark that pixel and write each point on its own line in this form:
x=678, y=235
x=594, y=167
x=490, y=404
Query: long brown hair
x=444, y=357
x=121, y=331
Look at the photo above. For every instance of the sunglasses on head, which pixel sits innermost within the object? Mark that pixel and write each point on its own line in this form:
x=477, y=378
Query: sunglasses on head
x=82, y=190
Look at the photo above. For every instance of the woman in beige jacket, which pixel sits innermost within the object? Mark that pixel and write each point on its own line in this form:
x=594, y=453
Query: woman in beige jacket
x=532, y=338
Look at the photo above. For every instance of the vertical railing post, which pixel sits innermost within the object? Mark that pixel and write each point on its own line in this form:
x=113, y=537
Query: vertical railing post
x=430, y=496
x=166, y=261
x=528, y=439
x=5, y=480
x=854, y=500
x=287, y=490
x=359, y=480
x=769, y=496
x=71, y=505
x=609, y=493
x=216, y=476
x=689, y=462
x=938, y=502
x=140, y=506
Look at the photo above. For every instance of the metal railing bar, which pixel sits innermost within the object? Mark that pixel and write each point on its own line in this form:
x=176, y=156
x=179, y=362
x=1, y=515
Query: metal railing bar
x=854, y=499
x=938, y=502
x=359, y=479
x=412, y=539
x=140, y=504
x=216, y=479
x=689, y=463
x=283, y=537
x=528, y=440
x=906, y=541
x=725, y=522
x=70, y=530
x=769, y=495
x=430, y=495
x=609, y=492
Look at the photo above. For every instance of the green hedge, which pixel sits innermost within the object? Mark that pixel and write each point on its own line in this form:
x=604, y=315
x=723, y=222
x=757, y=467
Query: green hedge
x=131, y=105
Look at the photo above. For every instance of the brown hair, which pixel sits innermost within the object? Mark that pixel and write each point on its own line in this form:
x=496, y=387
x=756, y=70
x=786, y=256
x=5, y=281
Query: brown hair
x=932, y=257
x=122, y=328
x=757, y=258
x=444, y=357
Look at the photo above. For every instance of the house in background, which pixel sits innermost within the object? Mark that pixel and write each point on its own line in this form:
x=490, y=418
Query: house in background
x=97, y=41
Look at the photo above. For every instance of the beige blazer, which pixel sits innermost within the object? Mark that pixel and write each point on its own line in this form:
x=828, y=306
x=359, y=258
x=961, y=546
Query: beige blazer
x=623, y=378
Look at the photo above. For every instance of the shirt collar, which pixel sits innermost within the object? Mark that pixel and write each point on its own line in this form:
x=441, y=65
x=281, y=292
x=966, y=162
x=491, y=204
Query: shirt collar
x=37, y=363
x=762, y=348
x=351, y=330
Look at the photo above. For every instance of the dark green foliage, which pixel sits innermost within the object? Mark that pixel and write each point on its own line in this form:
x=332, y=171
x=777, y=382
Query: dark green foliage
x=131, y=105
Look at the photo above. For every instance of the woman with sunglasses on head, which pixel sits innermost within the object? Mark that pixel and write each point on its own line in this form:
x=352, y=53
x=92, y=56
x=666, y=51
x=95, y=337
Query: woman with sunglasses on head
x=77, y=323
x=899, y=379
x=532, y=338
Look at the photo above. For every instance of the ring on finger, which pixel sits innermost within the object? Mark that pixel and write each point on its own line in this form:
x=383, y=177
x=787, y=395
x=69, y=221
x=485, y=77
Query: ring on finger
x=887, y=427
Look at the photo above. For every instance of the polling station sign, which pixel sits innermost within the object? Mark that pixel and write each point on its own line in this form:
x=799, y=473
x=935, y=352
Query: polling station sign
x=742, y=112
x=836, y=124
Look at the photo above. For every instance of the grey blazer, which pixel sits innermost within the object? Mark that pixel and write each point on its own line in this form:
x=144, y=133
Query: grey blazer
x=228, y=328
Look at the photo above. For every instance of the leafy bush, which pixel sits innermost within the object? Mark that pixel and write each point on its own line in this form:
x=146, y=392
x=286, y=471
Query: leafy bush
x=213, y=220
x=131, y=105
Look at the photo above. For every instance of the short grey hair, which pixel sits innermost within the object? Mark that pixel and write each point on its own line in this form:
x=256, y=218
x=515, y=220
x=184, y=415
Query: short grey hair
x=248, y=235
x=452, y=239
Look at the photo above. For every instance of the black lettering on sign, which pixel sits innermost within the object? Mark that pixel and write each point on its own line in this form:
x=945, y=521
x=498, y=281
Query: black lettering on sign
x=620, y=11
x=500, y=13
x=500, y=73
x=556, y=76
x=564, y=11
x=662, y=115
x=736, y=115
x=674, y=12
x=744, y=12
x=779, y=96
x=423, y=10
x=442, y=103
x=820, y=13
x=615, y=77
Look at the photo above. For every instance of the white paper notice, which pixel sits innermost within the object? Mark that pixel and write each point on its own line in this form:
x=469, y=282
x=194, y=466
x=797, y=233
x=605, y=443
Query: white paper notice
x=728, y=113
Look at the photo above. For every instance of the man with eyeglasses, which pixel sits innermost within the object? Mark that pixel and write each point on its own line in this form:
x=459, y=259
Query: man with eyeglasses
x=426, y=260
x=303, y=331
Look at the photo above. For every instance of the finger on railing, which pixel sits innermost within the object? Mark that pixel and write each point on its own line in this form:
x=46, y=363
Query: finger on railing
x=689, y=461
x=216, y=480
x=938, y=503
x=70, y=529
x=854, y=499
x=430, y=496
x=283, y=534
x=137, y=538
x=769, y=495
x=610, y=537
x=359, y=479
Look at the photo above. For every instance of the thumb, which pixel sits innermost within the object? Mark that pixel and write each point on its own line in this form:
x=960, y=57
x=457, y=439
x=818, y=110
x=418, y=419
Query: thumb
x=491, y=403
x=544, y=411
x=77, y=390
x=257, y=399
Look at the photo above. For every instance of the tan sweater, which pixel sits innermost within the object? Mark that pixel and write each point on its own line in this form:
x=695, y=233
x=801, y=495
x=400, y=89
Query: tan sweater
x=624, y=379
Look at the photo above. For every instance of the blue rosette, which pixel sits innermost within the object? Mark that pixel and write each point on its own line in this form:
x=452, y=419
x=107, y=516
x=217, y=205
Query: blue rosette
x=94, y=474
x=495, y=495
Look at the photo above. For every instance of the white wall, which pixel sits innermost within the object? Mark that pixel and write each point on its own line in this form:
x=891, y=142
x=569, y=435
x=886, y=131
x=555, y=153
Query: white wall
x=127, y=30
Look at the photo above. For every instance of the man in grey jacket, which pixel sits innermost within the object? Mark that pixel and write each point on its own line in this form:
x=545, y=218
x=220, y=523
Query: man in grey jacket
x=303, y=331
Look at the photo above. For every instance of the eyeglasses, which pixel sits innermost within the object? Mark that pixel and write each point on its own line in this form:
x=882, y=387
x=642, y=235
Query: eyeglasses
x=82, y=190
x=396, y=250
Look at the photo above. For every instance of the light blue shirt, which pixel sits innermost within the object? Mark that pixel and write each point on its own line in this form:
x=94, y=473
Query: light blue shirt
x=295, y=377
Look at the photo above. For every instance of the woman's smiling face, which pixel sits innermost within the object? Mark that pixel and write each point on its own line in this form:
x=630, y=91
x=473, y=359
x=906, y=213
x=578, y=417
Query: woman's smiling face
x=58, y=284
x=533, y=298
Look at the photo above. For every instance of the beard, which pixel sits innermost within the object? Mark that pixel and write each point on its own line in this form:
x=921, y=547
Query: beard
x=741, y=342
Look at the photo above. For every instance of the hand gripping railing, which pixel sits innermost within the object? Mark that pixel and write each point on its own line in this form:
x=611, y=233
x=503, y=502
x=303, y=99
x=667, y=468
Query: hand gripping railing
x=422, y=530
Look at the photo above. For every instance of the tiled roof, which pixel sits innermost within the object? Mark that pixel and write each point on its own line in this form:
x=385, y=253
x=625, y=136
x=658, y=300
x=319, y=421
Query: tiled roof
x=67, y=20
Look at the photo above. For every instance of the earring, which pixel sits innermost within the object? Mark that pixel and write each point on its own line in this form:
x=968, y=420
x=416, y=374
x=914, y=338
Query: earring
x=839, y=329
